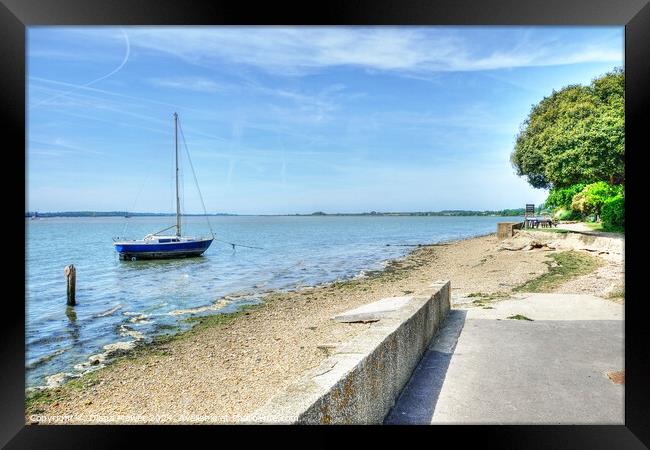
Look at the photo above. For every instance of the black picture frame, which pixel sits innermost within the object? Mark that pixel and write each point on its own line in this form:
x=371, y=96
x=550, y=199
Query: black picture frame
x=16, y=15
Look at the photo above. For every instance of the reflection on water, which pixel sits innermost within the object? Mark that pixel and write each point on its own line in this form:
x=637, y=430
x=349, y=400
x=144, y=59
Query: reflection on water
x=160, y=264
x=117, y=300
x=73, y=327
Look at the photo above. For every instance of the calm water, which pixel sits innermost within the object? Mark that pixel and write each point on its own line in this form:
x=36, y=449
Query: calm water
x=124, y=301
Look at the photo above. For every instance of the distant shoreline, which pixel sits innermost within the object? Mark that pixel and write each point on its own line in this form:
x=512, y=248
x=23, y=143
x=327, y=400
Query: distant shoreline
x=444, y=213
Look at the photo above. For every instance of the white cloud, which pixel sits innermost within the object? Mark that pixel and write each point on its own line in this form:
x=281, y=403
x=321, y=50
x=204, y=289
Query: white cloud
x=196, y=84
x=301, y=50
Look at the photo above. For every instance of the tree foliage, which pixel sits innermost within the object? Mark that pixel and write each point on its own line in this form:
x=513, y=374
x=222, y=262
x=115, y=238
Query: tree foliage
x=592, y=198
x=562, y=197
x=575, y=135
x=566, y=214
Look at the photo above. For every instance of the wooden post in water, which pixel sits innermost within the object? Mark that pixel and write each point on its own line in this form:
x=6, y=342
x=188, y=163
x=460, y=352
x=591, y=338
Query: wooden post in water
x=71, y=276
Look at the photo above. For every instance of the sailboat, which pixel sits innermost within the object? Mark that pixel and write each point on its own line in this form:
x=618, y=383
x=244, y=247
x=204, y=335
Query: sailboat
x=160, y=246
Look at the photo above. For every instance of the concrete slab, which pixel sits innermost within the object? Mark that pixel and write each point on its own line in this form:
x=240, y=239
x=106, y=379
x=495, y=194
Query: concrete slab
x=552, y=307
x=485, y=369
x=374, y=311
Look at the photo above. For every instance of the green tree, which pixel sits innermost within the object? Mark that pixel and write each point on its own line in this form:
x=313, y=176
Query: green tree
x=575, y=135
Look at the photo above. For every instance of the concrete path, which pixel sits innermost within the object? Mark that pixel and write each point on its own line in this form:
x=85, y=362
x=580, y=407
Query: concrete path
x=483, y=368
x=584, y=229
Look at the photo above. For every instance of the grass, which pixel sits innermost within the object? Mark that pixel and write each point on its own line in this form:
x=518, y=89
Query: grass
x=617, y=293
x=601, y=227
x=35, y=401
x=213, y=320
x=519, y=317
x=484, y=297
x=563, y=267
x=595, y=226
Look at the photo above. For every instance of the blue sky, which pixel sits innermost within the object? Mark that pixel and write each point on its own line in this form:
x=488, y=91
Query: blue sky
x=293, y=119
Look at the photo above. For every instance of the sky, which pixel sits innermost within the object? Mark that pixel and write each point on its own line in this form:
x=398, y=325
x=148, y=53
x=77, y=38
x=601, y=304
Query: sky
x=284, y=120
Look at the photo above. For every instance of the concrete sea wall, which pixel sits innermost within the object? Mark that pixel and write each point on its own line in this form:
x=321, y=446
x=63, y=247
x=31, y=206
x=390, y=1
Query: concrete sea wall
x=359, y=382
x=507, y=229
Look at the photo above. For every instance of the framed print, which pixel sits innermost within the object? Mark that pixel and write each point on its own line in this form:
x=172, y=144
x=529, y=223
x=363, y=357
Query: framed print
x=344, y=214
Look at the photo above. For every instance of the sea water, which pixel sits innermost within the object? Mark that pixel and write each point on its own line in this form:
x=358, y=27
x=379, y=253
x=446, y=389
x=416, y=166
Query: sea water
x=125, y=301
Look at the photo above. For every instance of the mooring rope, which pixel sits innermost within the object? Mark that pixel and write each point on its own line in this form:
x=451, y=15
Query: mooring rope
x=233, y=244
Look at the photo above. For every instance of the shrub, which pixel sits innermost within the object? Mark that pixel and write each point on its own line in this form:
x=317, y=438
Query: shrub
x=613, y=214
x=592, y=198
x=566, y=214
x=561, y=198
x=578, y=203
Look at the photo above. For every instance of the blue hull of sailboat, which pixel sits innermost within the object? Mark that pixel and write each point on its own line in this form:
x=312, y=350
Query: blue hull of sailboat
x=162, y=251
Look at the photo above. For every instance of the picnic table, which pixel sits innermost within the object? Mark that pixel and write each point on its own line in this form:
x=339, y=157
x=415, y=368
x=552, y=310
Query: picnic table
x=535, y=222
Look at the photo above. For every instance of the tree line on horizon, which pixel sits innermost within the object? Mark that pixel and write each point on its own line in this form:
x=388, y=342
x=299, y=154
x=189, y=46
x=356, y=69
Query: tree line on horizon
x=108, y=214
x=455, y=212
x=446, y=212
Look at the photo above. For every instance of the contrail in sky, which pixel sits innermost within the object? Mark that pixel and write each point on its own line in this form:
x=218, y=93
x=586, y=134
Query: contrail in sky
x=112, y=72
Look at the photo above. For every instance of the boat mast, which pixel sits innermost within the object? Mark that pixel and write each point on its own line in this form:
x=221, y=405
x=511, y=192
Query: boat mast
x=178, y=201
